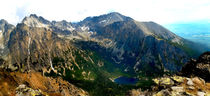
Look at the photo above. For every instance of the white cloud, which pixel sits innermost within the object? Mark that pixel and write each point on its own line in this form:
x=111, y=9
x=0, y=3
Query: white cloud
x=160, y=11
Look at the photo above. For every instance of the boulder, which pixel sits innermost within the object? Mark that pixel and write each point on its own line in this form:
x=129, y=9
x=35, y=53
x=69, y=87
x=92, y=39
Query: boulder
x=198, y=81
x=164, y=81
x=199, y=93
x=23, y=90
x=190, y=82
x=177, y=88
x=163, y=93
x=178, y=79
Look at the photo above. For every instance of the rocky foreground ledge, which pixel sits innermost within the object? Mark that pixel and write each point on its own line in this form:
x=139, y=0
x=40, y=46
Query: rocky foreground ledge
x=193, y=80
x=199, y=67
x=176, y=86
x=35, y=84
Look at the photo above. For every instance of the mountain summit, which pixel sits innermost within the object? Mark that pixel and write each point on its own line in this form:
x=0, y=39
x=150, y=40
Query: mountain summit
x=35, y=21
x=5, y=29
x=104, y=20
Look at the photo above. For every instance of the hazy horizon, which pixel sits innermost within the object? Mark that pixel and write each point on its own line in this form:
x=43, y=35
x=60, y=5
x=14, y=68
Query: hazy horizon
x=159, y=11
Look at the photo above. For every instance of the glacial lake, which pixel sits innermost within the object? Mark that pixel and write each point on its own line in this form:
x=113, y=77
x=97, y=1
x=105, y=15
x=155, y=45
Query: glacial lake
x=126, y=80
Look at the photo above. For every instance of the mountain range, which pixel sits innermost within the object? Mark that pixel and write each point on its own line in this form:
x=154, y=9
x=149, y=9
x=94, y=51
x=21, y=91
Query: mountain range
x=93, y=51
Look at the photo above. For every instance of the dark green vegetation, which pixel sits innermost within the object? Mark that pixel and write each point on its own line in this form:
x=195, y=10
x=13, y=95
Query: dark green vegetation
x=98, y=82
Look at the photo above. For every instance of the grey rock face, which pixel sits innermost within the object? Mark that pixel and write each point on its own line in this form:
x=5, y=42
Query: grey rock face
x=5, y=30
x=131, y=45
x=140, y=47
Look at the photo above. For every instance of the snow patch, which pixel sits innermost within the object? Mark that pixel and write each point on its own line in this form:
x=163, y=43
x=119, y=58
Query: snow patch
x=90, y=32
x=126, y=69
x=70, y=28
x=51, y=65
x=1, y=34
x=176, y=40
x=84, y=28
x=29, y=43
x=1, y=40
x=103, y=21
x=49, y=56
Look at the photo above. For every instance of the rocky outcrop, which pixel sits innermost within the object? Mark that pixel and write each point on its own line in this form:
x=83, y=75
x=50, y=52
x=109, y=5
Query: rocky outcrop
x=23, y=90
x=192, y=85
x=199, y=67
x=33, y=83
x=5, y=30
x=36, y=21
x=176, y=86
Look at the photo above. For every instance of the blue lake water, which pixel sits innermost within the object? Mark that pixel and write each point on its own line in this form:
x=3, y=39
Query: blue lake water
x=126, y=80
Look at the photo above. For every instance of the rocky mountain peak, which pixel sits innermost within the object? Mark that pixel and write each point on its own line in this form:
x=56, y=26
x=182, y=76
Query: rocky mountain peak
x=159, y=31
x=5, y=26
x=63, y=23
x=33, y=15
x=36, y=21
x=104, y=19
x=5, y=29
x=116, y=15
x=2, y=21
x=62, y=26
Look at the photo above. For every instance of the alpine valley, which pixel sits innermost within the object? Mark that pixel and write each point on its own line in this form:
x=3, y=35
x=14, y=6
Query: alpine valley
x=59, y=58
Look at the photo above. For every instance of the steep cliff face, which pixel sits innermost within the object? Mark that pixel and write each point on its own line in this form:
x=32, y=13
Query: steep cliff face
x=5, y=30
x=140, y=48
x=32, y=46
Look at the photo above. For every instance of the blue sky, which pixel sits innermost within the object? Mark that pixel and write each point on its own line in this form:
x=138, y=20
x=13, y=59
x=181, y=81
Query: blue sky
x=160, y=11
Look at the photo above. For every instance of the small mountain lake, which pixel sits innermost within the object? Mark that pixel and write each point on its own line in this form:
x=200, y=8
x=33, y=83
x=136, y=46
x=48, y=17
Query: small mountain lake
x=126, y=80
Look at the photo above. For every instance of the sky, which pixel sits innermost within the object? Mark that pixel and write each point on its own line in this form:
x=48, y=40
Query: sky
x=160, y=11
